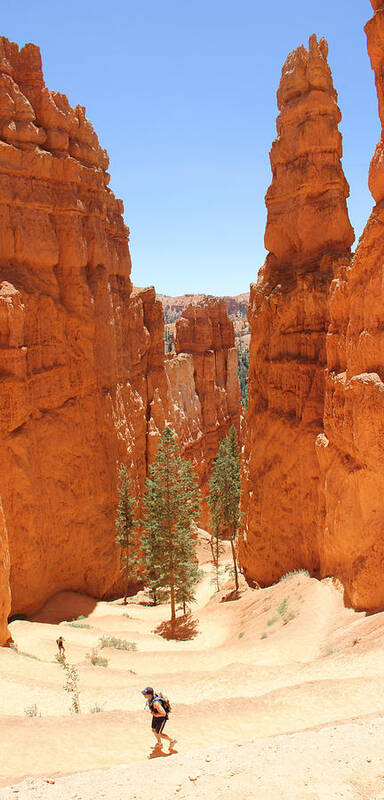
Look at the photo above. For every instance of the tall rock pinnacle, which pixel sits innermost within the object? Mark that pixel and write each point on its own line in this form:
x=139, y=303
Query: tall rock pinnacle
x=307, y=233
x=306, y=202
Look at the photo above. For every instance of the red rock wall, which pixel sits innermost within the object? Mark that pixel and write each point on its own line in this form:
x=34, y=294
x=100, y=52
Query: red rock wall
x=307, y=233
x=79, y=356
x=5, y=592
x=83, y=383
x=351, y=450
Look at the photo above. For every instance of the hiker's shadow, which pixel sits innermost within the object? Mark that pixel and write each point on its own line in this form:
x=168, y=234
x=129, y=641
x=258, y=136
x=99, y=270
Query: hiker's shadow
x=158, y=752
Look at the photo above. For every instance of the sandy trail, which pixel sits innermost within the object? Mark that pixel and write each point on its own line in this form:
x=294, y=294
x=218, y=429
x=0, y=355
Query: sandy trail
x=274, y=662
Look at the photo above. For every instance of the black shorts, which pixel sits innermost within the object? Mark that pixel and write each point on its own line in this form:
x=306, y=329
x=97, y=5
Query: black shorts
x=158, y=723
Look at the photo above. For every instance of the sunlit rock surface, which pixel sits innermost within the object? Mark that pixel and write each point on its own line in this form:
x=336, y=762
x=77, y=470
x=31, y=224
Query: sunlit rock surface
x=308, y=236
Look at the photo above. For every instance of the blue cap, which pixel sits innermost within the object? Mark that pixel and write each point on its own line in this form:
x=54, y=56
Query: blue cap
x=148, y=690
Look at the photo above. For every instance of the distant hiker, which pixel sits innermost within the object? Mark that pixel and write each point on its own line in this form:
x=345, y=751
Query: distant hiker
x=60, y=644
x=159, y=707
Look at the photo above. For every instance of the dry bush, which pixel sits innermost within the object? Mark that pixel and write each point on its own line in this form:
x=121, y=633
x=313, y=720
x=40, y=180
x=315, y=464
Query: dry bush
x=184, y=628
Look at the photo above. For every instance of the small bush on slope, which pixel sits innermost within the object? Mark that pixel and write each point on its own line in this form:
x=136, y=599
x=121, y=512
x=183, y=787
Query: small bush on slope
x=117, y=644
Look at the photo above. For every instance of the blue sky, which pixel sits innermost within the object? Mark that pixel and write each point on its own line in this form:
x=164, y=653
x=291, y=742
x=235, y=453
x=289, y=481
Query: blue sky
x=182, y=93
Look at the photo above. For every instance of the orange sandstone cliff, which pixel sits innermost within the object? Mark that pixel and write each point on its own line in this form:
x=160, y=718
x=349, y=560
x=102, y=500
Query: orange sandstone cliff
x=79, y=355
x=351, y=450
x=307, y=234
x=83, y=380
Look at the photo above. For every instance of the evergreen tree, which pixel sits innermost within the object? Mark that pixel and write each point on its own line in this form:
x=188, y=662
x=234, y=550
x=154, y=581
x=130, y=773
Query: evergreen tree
x=224, y=494
x=217, y=550
x=125, y=524
x=171, y=504
x=243, y=368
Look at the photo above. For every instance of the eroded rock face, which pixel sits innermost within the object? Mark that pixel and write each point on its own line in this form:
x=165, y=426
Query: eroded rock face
x=351, y=451
x=308, y=234
x=5, y=593
x=79, y=355
x=83, y=382
x=306, y=200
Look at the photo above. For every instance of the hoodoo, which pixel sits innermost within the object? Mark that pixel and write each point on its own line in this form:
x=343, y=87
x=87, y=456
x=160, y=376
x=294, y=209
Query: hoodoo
x=83, y=380
x=308, y=234
x=351, y=451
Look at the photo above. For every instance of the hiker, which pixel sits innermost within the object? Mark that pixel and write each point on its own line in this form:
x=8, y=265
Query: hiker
x=159, y=713
x=60, y=644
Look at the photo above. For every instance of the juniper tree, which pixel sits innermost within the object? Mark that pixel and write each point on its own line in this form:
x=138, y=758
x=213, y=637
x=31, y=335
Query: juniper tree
x=171, y=505
x=125, y=524
x=224, y=493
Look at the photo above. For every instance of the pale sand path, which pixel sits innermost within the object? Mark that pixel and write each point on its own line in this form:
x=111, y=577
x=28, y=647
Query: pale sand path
x=239, y=680
x=334, y=762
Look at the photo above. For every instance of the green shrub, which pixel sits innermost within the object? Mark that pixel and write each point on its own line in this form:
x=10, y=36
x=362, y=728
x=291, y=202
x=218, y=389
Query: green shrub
x=32, y=711
x=78, y=624
x=272, y=621
x=283, y=606
x=294, y=572
x=97, y=659
x=96, y=709
x=117, y=644
x=71, y=683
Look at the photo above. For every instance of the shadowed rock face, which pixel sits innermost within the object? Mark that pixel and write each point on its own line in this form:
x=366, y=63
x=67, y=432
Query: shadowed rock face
x=351, y=452
x=308, y=234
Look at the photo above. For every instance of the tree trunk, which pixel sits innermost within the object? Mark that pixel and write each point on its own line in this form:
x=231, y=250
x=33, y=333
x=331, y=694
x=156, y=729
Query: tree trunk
x=126, y=585
x=172, y=588
x=217, y=563
x=173, y=602
x=235, y=565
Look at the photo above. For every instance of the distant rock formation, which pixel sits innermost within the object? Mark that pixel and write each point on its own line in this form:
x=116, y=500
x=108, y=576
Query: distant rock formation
x=203, y=393
x=174, y=306
x=308, y=233
x=82, y=369
x=205, y=333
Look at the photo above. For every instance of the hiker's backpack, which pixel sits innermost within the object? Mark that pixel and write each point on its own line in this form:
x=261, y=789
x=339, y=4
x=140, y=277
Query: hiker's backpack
x=164, y=702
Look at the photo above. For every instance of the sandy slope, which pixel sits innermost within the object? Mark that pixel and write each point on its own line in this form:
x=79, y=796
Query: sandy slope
x=275, y=662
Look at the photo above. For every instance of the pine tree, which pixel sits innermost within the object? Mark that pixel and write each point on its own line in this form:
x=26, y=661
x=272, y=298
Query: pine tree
x=224, y=494
x=125, y=524
x=216, y=551
x=171, y=505
x=243, y=369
